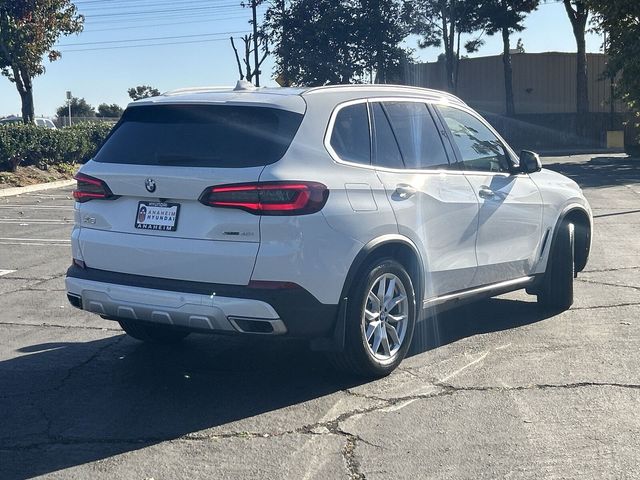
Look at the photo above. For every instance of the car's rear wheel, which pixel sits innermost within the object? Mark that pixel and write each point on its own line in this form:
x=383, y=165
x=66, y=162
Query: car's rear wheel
x=148, y=332
x=556, y=292
x=381, y=316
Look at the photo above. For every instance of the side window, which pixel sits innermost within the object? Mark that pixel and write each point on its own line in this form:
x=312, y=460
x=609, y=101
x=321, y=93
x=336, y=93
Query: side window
x=479, y=148
x=40, y=122
x=387, y=153
x=350, y=135
x=417, y=135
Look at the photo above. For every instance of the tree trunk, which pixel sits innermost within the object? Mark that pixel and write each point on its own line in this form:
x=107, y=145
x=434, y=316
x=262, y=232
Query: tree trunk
x=508, y=74
x=25, y=89
x=582, y=86
x=256, y=69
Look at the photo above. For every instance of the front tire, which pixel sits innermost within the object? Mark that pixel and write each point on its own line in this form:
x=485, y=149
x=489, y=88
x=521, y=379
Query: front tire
x=556, y=293
x=381, y=316
x=147, y=332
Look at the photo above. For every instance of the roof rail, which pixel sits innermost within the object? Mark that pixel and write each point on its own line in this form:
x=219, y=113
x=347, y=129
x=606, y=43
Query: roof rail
x=385, y=86
x=179, y=91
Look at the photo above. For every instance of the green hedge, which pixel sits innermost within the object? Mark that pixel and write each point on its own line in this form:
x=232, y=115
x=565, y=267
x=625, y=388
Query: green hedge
x=31, y=145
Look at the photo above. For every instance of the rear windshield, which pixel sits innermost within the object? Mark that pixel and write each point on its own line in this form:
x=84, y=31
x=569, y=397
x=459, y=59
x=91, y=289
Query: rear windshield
x=200, y=136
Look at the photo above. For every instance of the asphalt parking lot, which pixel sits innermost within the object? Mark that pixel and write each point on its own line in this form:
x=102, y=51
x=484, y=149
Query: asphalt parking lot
x=492, y=390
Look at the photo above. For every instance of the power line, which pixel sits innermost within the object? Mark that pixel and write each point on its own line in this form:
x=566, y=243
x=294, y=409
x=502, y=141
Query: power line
x=145, y=12
x=152, y=25
x=149, y=45
x=148, y=39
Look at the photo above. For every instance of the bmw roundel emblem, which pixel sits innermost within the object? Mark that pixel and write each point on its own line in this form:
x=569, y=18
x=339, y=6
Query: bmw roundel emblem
x=150, y=185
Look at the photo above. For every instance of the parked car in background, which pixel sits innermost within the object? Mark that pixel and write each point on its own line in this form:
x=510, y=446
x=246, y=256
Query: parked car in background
x=341, y=214
x=39, y=121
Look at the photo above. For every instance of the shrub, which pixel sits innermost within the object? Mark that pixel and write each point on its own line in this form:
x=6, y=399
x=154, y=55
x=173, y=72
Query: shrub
x=31, y=145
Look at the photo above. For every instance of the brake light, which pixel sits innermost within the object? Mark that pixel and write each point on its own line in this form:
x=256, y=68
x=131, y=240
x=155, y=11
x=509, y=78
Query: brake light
x=90, y=188
x=268, y=198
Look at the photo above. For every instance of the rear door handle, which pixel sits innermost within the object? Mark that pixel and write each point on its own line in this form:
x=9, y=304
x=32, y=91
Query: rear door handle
x=405, y=191
x=486, y=192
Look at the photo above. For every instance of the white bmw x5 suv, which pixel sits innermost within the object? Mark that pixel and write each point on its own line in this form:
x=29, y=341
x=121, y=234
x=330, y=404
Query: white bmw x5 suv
x=340, y=214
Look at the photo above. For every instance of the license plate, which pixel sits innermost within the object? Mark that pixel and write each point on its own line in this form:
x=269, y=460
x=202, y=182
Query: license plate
x=157, y=216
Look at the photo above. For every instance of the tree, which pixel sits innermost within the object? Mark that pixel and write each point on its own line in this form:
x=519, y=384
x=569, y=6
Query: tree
x=335, y=41
x=28, y=31
x=79, y=108
x=506, y=17
x=251, y=69
x=578, y=12
x=620, y=19
x=109, y=111
x=441, y=23
x=382, y=30
x=321, y=44
x=142, y=91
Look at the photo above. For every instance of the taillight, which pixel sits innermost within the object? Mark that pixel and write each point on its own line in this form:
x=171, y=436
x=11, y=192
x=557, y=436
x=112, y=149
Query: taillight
x=268, y=198
x=90, y=188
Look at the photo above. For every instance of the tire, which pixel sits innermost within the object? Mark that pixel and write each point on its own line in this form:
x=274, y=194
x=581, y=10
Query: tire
x=147, y=332
x=377, y=337
x=556, y=292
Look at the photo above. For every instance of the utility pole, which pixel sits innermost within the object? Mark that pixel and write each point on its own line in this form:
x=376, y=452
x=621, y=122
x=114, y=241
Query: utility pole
x=254, y=5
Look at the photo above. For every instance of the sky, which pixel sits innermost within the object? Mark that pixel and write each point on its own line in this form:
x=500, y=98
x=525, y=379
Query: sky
x=173, y=44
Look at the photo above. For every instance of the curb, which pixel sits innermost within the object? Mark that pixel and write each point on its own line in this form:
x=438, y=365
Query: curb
x=9, y=192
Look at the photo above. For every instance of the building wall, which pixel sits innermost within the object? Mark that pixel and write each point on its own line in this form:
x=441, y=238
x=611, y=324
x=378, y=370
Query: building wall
x=542, y=82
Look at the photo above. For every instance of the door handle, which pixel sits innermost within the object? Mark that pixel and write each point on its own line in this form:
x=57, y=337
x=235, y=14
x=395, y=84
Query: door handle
x=405, y=191
x=486, y=192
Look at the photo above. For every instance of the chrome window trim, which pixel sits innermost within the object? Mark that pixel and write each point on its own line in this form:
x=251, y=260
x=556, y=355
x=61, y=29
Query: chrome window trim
x=336, y=158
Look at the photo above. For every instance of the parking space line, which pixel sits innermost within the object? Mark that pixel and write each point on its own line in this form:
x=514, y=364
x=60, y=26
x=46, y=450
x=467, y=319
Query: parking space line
x=47, y=240
x=6, y=272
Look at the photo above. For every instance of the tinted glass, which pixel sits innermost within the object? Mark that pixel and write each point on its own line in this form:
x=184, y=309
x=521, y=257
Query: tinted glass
x=350, y=135
x=479, y=148
x=200, y=136
x=417, y=135
x=387, y=153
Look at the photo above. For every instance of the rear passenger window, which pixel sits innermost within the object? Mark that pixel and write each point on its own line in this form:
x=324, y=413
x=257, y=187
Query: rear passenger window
x=417, y=135
x=350, y=135
x=387, y=153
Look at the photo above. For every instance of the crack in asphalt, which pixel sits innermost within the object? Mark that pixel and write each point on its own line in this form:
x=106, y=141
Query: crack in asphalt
x=53, y=325
x=607, y=284
x=611, y=269
x=615, y=305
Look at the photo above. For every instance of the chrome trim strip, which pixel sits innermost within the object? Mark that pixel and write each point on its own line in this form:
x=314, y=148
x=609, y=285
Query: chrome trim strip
x=477, y=290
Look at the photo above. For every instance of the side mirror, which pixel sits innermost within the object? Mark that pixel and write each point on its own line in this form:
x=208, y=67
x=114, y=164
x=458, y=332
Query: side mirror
x=530, y=162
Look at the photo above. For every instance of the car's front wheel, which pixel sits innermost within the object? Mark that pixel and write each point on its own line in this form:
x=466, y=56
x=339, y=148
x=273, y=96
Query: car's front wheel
x=556, y=292
x=148, y=332
x=381, y=316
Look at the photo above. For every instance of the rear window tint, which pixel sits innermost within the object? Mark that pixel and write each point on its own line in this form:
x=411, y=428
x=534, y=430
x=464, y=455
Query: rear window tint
x=350, y=135
x=200, y=136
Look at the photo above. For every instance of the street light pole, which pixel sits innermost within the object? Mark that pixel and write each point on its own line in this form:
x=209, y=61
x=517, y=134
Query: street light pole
x=69, y=104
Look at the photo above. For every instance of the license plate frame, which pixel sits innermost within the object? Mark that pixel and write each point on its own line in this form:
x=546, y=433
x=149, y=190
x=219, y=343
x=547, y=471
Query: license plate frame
x=158, y=216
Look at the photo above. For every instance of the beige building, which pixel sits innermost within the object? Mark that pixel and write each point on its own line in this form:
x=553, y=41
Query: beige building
x=542, y=82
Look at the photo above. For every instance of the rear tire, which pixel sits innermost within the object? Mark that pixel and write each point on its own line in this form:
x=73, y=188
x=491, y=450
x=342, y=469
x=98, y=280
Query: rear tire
x=556, y=293
x=147, y=332
x=378, y=331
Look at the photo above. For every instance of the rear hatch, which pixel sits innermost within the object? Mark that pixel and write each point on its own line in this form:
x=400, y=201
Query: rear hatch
x=156, y=164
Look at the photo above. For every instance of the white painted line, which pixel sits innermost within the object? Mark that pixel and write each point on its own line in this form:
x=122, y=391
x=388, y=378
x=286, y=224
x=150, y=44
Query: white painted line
x=10, y=192
x=38, y=207
x=20, y=239
x=6, y=272
x=36, y=244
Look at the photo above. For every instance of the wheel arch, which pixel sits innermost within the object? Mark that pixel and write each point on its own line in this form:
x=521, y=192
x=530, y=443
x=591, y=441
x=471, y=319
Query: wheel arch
x=582, y=223
x=394, y=246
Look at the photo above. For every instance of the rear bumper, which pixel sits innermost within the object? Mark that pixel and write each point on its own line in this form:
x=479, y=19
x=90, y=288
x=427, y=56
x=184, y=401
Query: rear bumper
x=199, y=306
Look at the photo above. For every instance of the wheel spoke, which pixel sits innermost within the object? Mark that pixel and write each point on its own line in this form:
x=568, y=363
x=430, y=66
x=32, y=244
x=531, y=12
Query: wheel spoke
x=390, y=289
x=393, y=333
x=396, y=318
x=390, y=305
x=381, y=289
x=377, y=339
x=371, y=328
x=385, y=341
x=375, y=301
x=371, y=316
